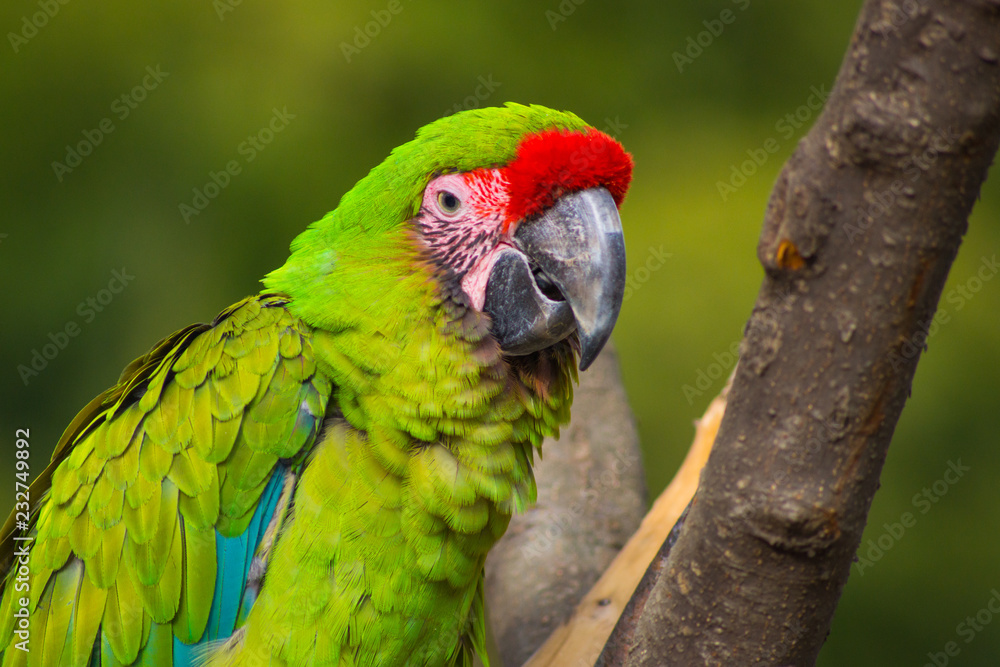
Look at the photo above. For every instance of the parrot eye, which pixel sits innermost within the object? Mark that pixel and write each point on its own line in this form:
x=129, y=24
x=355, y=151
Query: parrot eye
x=449, y=202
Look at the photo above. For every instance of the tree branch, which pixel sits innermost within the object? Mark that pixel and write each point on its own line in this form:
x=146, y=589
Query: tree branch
x=860, y=232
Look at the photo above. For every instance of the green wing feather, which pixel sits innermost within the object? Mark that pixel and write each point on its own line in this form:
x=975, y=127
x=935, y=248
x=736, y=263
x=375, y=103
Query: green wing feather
x=126, y=513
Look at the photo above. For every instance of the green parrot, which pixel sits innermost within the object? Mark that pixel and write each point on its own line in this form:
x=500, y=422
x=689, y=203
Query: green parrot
x=316, y=476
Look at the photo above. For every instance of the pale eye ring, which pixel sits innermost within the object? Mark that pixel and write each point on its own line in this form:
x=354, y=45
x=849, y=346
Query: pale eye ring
x=449, y=202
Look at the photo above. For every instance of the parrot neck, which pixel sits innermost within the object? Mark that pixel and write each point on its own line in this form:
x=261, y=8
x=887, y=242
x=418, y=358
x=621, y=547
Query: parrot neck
x=436, y=379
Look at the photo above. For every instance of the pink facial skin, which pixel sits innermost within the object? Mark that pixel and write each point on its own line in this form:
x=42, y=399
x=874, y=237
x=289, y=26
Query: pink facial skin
x=462, y=223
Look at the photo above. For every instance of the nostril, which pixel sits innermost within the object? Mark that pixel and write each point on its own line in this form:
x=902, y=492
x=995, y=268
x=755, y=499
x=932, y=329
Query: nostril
x=545, y=284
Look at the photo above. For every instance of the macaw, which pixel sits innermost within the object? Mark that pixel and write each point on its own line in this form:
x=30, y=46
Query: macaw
x=316, y=476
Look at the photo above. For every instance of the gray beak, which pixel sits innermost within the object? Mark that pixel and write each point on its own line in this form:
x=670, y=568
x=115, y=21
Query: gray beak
x=566, y=274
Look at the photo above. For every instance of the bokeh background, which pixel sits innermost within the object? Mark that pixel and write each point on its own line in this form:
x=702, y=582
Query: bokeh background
x=225, y=68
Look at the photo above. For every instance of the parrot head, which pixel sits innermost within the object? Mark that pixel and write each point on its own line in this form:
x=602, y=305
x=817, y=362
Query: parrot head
x=513, y=209
x=536, y=243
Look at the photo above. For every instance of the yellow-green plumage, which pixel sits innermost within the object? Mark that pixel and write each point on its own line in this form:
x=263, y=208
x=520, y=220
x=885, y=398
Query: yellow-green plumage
x=134, y=506
x=355, y=424
x=390, y=538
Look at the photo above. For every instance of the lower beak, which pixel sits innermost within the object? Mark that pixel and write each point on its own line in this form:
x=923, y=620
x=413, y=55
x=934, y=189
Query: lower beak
x=566, y=274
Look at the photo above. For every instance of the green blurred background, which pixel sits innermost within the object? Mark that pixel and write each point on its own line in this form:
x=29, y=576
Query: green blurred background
x=227, y=67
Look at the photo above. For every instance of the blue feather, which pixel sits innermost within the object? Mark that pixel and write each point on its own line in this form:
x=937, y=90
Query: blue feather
x=234, y=556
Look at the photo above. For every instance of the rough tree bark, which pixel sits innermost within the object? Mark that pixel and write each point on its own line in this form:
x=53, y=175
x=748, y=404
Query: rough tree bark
x=860, y=232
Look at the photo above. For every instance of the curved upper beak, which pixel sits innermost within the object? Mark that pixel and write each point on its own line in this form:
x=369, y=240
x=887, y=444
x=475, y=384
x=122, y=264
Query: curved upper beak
x=566, y=274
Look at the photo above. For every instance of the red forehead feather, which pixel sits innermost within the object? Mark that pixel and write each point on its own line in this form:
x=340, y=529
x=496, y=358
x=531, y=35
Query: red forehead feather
x=551, y=163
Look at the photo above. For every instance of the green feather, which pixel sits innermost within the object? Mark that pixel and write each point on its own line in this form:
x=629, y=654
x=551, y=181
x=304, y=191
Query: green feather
x=77, y=504
x=202, y=511
x=51, y=645
x=142, y=516
x=102, y=567
x=223, y=437
x=158, y=647
x=234, y=390
x=105, y=505
x=85, y=537
x=191, y=474
x=119, y=434
x=123, y=469
x=149, y=558
x=154, y=460
x=87, y=614
x=121, y=629
x=198, y=582
x=55, y=552
x=158, y=577
x=141, y=491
